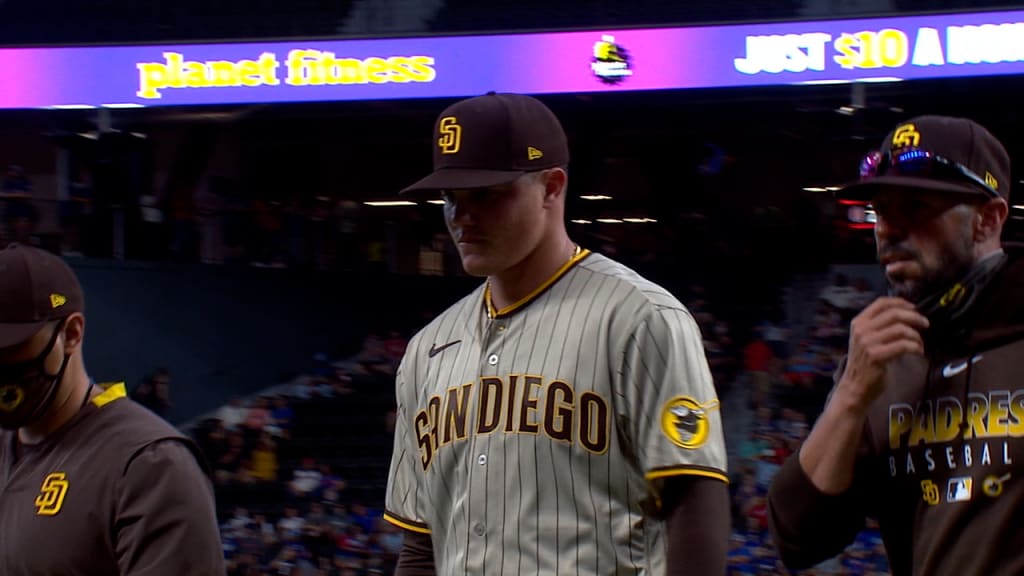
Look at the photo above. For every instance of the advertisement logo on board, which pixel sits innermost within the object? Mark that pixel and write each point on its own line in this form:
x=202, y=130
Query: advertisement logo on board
x=611, y=61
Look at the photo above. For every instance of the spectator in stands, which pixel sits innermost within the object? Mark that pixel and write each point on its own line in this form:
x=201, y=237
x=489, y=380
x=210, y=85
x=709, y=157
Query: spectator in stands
x=258, y=415
x=777, y=335
x=331, y=485
x=240, y=521
x=305, y=480
x=233, y=414
x=154, y=392
x=264, y=459
x=230, y=462
x=281, y=418
x=757, y=359
x=289, y=528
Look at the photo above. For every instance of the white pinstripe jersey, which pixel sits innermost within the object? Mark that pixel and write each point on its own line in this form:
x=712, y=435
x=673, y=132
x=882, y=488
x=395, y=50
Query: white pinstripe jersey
x=530, y=440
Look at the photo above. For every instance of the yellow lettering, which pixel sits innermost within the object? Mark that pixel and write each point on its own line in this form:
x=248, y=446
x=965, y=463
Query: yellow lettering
x=422, y=69
x=1016, y=428
x=304, y=68
x=249, y=73
x=268, y=69
x=849, y=56
x=377, y=70
x=152, y=77
x=175, y=63
x=894, y=48
x=195, y=75
x=299, y=65
x=977, y=408
x=998, y=413
x=901, y=418
x=223, y=73
x=924, y=427
x=400, y=69
x=346, y=71
x=868, y=56
x=948, y=417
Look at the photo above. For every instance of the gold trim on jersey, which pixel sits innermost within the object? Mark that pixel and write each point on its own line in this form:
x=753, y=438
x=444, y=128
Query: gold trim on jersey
x=686, y=471
x=578, y=255
x=406, y=524
x=110, y=393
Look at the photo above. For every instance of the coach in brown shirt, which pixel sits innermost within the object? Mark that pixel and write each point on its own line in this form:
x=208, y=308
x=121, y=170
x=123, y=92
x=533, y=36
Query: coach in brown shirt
x=91, y=483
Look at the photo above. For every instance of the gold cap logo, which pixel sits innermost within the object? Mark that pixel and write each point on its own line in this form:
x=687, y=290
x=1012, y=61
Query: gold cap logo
x=906, y=135
x=57, y=300
x=533, y=153
x=451, y=135
x=991, y=181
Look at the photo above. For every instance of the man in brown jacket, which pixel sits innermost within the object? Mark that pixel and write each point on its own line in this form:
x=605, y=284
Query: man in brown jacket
x=924, y=428
x=90, y=482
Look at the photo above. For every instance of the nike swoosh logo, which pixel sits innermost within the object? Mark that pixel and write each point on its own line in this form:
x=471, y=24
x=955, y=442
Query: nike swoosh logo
x=435, y=349
x=951, y=369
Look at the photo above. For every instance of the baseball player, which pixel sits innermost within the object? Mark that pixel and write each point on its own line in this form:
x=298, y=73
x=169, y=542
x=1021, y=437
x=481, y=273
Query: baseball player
x=90, y=482
x=924, y=425
x=560, y=419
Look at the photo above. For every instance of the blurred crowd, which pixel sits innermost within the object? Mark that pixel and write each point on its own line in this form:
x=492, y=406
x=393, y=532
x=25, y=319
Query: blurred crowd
x=788, y=388
x=282, y=474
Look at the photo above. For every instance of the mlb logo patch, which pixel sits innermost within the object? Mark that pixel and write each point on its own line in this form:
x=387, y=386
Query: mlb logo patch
x=959, y=489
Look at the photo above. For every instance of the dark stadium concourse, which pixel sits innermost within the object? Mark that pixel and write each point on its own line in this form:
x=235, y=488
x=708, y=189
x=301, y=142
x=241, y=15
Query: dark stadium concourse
x=746, y=164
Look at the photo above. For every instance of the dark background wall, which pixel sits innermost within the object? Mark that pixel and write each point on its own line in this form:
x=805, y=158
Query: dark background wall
x=223, y=331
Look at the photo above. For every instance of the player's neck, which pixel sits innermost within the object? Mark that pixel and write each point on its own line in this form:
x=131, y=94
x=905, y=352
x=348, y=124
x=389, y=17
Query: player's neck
x=517, y=282
x=68, y=402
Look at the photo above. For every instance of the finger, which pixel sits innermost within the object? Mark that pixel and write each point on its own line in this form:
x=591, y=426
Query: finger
x=911, y=318
x=882, y=304
x=885, y=352
x=893, y=333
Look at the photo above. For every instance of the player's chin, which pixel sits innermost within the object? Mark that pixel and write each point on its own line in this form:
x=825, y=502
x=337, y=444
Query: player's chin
x=906, y=288
x=478, y=265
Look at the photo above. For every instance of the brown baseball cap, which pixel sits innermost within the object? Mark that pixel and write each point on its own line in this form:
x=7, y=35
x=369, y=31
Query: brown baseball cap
x=971, y=159
x=36, y=287
x=493, y=139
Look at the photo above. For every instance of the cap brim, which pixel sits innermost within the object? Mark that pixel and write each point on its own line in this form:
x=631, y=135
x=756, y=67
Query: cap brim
x=463, y=178
x=12, y=334
x=866, y=189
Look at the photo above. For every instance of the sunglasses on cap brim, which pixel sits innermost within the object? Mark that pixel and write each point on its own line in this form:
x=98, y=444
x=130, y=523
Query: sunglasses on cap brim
x=917, y=163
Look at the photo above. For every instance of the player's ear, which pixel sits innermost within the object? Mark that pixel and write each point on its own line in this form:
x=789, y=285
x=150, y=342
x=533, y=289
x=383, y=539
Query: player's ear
x=74, y=332
x=555, y=182
x=990, y=219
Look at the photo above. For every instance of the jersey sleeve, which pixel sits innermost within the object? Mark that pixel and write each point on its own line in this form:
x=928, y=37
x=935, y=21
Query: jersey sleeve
x=404, y=501
x=807, y=525
x=671, y=410
x=166, y=520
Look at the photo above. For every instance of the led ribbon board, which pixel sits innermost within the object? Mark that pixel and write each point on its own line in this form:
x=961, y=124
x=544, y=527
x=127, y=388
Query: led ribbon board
x=882, y=49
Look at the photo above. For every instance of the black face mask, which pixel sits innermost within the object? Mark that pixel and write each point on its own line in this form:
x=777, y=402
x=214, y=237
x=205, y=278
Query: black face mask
x=947, y=309
x=26, y=390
